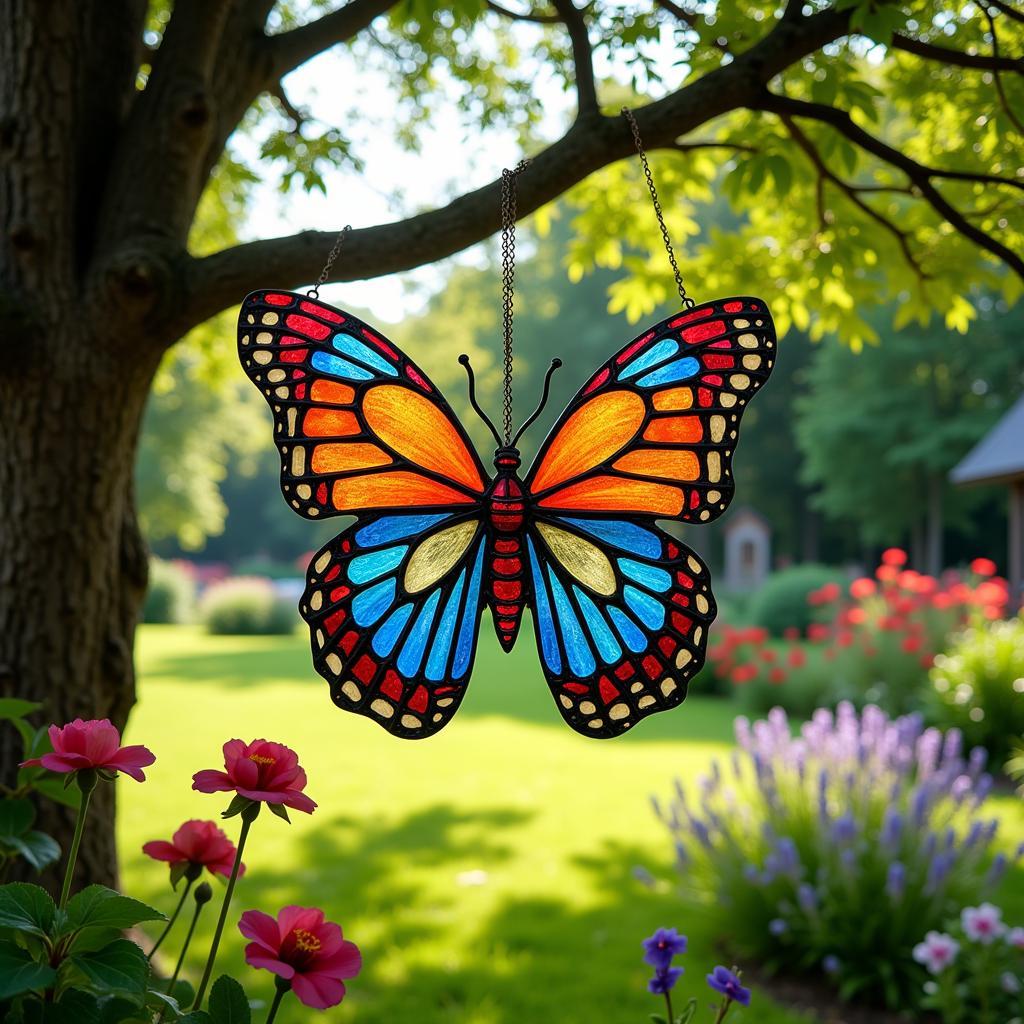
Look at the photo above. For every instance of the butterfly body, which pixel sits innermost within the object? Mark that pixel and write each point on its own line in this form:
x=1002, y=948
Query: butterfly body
x=620, y=607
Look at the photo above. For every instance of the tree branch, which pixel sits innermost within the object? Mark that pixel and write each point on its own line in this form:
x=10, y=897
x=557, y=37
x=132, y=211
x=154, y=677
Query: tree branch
x=582, y=55
x=1007, y=109
x=946, y=55
x=290, y=49
x=218, y=280
x=693, y=20
x=920, y=176
x=1009, y=11
x=537, y=19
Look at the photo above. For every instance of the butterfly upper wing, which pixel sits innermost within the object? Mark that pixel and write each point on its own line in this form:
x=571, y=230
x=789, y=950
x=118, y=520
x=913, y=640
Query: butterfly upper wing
x=358, y=424
x=394, y=602
x=622, y=609
x=393, y=605
x=653, y=431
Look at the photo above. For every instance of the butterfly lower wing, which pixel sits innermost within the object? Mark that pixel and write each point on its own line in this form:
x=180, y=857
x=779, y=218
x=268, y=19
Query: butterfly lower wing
x=393, y=606
x=621, y=613
x=654, y=430
x=359, y=426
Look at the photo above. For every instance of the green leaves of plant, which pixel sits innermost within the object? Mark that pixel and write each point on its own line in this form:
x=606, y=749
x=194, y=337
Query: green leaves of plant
x=18, y=838
x=228, y=1003
x=120, y=967
x=26, y=908
x=100, y=907
x=20, y=973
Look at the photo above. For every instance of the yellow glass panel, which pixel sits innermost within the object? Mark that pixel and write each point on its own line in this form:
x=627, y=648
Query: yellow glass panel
x=587, y=563
x=437, y=554
x=673, y=400
x=337, y=458
x=598, y=429
x=421, y=432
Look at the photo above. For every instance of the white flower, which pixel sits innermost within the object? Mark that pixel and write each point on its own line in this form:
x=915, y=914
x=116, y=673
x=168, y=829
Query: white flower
x=1009, y=982
x=1015, y=937
x=983, y=924
x=937, y=951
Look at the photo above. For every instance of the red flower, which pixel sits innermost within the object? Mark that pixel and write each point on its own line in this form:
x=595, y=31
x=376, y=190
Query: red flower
x=776, y=676
x=92, y=744
x=744, y=673
x=856, y=616
x=887, y=573
x=894, y=556
x=303, y=948
x=983, y=567
x=199, y=843
x=791, y=632
x=911, y=644
x=829, y=592
x=844, y=638
x=862, y=588
x=816, y=631
x=767, y=655
x=797, y=658
x=261, y=770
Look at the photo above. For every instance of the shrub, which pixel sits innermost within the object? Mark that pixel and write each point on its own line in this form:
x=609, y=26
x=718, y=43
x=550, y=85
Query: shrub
x=171, y=595
x=837, y=849
x=782, y=603
x=246, y=605
x=978, y=686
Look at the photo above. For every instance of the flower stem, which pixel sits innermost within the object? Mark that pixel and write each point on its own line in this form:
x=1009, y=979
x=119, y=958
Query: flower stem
x=173, y=918
x=281, y=987
x=723, y=1009
x=86, y=783
x=248, y=817
x=184, y=949
x=668, y=1006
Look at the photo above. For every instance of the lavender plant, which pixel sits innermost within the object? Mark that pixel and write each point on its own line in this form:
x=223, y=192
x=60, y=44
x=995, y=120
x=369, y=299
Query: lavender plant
x=834, y=850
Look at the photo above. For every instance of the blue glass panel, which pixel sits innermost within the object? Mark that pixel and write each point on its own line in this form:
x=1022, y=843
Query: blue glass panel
x=649, y=610
x=349, y=346
x=364, y=568
x=386, y=637
x=468, y=630
x=654, y=355
x=339, y=367
x=389, y=528
x=411, y=658
x=545, y=624
x=371, y=604
x=445, y=633
x=649, y=576
x=604, y=639
x=678, y=369
x=577, y=650
x=628, y=630
x=627, y=536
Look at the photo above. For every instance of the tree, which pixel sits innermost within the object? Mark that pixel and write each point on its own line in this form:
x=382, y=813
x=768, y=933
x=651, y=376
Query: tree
x=116, y=115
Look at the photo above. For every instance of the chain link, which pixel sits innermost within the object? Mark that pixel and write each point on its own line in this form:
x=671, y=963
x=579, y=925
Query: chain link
x=686, y=300
x=314, y=292
x=508, y=273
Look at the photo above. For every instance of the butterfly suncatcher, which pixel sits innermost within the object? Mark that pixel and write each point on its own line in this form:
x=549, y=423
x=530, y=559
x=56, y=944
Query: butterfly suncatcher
x=621, y=608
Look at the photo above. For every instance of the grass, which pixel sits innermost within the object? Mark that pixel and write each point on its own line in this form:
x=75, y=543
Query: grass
x=487, y=873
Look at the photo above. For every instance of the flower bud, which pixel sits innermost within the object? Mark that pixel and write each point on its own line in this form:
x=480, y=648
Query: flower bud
x=203, y=893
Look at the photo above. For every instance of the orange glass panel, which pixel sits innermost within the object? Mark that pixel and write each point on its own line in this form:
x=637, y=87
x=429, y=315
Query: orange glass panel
x=658, y=462
x=332, y=392
x=337, y=458
x=598, y=429
x=613, y=494
x=418, y=430
x=677, y=429
x=399, y=489
x=329, y=423
x=673, y=400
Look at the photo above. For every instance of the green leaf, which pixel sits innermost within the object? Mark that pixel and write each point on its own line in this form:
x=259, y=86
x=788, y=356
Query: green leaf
x=120, y=968
x=281, y=811
x=100, y=907
x=122, y=1011
x=26, y=908
x=183, y=992
x=238, y=804
x=228, y=1004
x=16, y=817
x=196, y=1017
x=13, y=708
x=37, y=848
x=73, y=1007
x=20, y=973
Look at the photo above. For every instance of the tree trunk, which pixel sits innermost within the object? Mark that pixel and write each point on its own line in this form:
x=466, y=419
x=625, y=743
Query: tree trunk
x=933, y=543
x=72, y=561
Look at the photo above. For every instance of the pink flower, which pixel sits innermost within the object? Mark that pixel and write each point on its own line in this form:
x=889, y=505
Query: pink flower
x=1015, y=937
x=983, y=567
x=262, y=771
x=303, y=948
x=198, y=843
x=93, y=744
x=982, y=924
x=937, y=951
x=862, y=588
x=894, y=556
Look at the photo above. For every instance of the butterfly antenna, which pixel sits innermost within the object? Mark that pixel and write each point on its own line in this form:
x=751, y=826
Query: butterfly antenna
x=464, y=359
x=555, y=364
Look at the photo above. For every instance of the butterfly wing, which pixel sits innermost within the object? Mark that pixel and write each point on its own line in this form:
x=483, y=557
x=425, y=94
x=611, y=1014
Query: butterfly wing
x=654, y=430
x=359, y=426
x=393, y=605
x=621, y=611
x=393, y=602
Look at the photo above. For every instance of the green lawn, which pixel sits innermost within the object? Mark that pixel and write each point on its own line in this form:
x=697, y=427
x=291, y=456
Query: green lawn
x=487, y=873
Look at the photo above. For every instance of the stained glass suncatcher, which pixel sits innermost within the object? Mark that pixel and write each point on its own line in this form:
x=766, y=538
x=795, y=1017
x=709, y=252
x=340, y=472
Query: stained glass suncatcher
x=621, y=609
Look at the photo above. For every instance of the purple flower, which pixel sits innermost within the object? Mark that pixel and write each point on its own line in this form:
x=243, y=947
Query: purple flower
x=982, y=924
x=662, y=946
x=664, y=980
x=1015, y=937
x=1009, y=983
x=937, y=951
x=895, y=880
x=845, y=829
x=723, y=980
x=892, y=828
x=778, y=927
x=831, y=964
x=997, y=870
x=807, y=897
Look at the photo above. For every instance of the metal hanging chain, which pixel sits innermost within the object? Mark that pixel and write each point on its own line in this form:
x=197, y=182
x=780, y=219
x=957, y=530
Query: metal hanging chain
x=686, y=300
x=508, y=273
x=314, y=292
